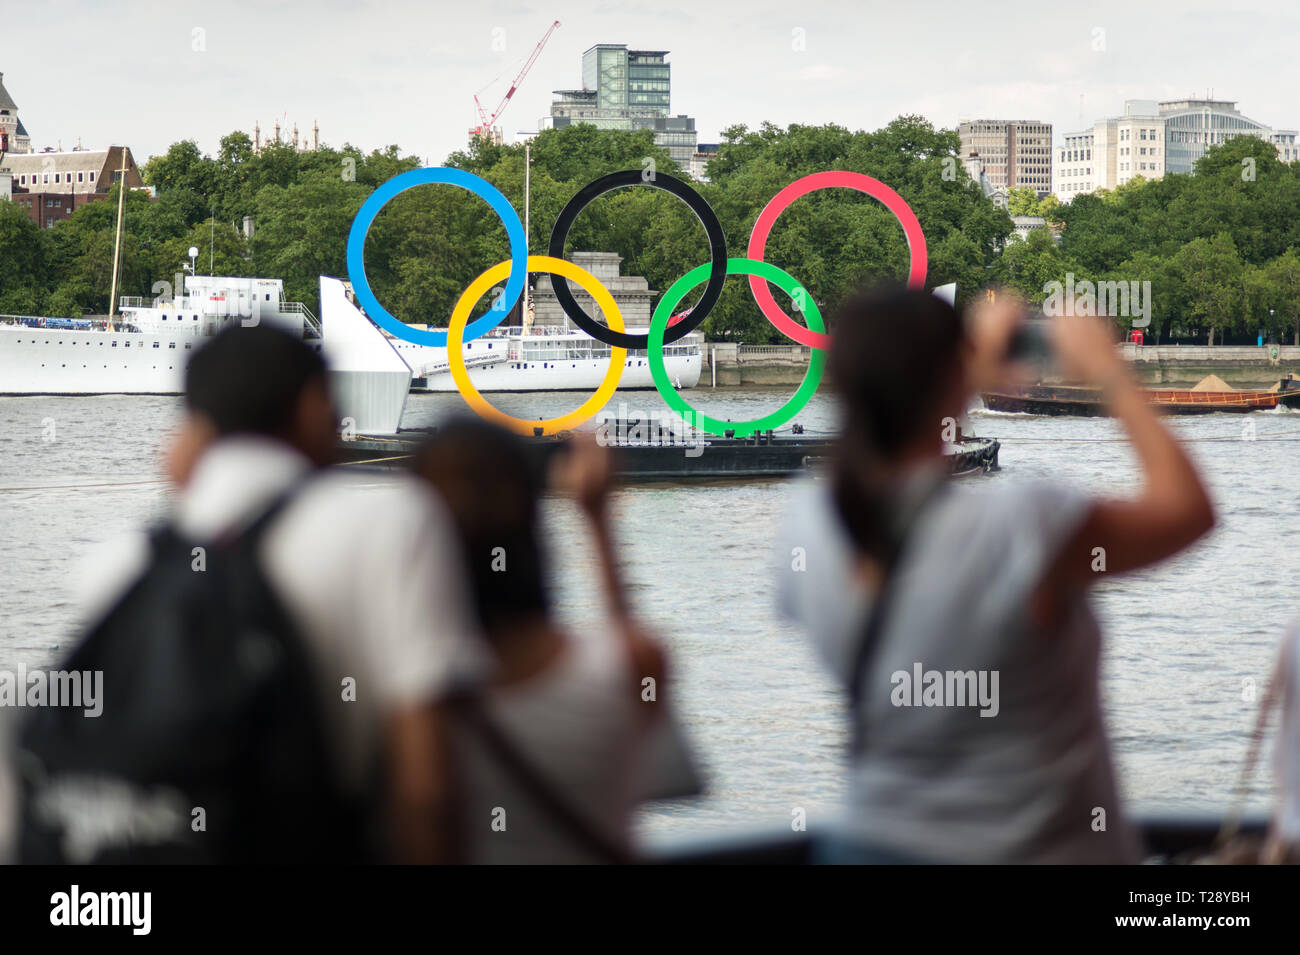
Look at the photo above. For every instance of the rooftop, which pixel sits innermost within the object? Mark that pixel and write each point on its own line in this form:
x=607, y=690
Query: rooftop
x=6, y=101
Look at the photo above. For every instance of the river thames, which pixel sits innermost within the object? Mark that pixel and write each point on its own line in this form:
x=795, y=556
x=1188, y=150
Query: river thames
x=1184, y=642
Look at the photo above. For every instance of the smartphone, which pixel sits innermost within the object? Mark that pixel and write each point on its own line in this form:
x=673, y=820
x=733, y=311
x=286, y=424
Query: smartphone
x=1032, y=342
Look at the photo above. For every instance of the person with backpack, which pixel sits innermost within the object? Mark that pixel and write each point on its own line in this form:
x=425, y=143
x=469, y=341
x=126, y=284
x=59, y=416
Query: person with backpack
x=274, y=656
x=555, y=752
x=958, y=621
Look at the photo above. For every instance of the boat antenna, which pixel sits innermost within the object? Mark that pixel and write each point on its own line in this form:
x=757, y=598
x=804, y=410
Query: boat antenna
x=117, y=242
x=526, y=319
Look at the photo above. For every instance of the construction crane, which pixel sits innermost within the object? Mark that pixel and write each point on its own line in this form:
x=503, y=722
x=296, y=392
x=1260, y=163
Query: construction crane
x=487, y=127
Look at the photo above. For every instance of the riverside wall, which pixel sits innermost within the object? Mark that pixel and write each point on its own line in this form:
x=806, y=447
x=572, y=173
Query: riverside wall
x=1168, y=366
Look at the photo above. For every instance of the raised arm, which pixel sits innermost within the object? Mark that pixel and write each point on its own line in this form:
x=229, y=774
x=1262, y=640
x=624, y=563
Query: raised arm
x=1171, y=509
x=586, y=473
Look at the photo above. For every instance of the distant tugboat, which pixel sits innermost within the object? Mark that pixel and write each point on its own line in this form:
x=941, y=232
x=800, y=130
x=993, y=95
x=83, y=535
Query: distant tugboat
x=1076, y=401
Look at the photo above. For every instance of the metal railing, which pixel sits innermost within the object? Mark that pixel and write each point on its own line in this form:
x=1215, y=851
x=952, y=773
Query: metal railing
x=793, y=351
x=298, y=308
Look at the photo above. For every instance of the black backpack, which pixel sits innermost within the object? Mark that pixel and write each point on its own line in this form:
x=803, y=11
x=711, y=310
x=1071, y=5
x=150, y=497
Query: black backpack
x=210, y=746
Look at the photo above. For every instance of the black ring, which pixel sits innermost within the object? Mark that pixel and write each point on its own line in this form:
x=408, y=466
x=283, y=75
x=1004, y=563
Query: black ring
x=712, y=228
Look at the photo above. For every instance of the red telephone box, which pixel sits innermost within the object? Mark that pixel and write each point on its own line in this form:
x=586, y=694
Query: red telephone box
x=1135, y=337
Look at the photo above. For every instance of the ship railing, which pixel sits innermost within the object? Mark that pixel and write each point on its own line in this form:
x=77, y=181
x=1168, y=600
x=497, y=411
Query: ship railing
x=791, y=351
x=28, y=320
x=298, y=308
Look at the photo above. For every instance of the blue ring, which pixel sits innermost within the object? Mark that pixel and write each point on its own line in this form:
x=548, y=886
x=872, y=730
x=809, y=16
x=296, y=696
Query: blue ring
x=452, y=177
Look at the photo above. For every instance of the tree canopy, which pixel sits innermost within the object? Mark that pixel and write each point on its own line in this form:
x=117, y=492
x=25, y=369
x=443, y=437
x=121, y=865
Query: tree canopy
x=1221, y=248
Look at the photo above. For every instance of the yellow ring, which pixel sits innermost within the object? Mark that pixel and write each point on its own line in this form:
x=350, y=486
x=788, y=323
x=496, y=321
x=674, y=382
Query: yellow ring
x=456, y=333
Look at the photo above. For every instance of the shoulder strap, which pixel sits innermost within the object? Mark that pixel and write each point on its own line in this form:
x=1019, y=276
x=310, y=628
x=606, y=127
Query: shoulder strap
x=863, y=652
x=1232, y=819
x=250, y=532
x=555, y=804
x=242, y=534
x=875, y=623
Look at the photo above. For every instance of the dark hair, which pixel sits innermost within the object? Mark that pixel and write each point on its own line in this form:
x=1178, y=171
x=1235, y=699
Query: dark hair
x=492, y=482
x=893, y=354
x=247, y=380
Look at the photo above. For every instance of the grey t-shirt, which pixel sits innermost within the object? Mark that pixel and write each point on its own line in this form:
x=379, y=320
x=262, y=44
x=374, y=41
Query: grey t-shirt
x=984, y=739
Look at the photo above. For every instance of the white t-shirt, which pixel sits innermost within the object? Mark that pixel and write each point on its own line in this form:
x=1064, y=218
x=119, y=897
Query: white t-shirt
x=365, y=564
x=582, y=726
x=1030, y=782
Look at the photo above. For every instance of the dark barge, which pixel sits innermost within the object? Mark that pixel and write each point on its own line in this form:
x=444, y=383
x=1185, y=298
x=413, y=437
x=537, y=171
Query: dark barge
x=696, y=457
x=1072, y=400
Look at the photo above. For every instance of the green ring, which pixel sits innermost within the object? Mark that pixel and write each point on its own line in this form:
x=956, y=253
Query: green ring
x=659, y=325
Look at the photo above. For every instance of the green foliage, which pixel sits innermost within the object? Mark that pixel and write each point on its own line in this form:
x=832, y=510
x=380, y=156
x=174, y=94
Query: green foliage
x=837, y=240
x=1207, y=243
x=1023, y=201
x=1221, y=249
x=23, y=252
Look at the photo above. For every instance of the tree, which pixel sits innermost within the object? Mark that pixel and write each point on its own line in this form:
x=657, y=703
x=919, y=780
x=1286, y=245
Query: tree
x=302, y=233
x=1022, y=201
x=1030, y=266
x=222, y=250
x=1211, y=272
x=1284, y=282
x=22, y=255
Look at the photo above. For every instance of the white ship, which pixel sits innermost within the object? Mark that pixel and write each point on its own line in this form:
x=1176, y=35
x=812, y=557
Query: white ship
x=549, y=358
x=144, y=349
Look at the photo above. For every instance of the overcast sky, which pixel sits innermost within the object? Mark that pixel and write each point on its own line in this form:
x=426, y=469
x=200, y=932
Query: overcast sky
x=375, y=72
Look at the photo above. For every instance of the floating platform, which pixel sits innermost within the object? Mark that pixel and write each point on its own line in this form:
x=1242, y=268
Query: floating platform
x=695, y=457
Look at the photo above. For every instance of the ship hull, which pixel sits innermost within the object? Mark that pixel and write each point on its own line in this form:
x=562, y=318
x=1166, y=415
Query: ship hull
x=38, y=361
x=489, y=374
x=1065, y=400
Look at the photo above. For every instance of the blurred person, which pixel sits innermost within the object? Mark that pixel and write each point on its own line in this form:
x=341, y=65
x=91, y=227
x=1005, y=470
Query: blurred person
x=552, y=757
x=958, y=619
x=1282, y=843
x=367, y=572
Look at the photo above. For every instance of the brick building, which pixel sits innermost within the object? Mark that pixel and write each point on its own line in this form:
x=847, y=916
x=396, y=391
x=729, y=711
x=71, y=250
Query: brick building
x=50, y=186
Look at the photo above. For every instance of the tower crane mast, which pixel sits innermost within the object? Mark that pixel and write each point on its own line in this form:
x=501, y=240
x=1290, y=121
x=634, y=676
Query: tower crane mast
x=487, y=123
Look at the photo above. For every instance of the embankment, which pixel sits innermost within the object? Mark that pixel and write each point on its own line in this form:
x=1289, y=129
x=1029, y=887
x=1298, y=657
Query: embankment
x=1169, y=366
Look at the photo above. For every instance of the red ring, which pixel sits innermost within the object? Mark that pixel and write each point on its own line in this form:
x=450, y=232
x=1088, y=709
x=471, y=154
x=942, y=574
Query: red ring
x=801, y=187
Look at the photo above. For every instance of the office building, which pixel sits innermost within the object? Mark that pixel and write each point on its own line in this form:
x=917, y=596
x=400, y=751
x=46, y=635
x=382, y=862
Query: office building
x=629, y=90
x=1016, y=154
x=1152, y=138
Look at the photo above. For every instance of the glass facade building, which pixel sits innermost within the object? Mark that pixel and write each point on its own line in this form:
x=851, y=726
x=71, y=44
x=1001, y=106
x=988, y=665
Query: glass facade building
x=1153, y=138
x=627, y=89
x=1193, y=126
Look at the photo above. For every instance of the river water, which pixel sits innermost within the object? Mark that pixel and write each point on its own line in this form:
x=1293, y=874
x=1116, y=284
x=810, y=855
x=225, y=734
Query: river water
x=1184, y=639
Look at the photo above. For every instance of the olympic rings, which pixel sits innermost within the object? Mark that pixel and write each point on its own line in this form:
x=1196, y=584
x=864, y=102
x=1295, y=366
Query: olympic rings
x=714, y=272
x=456, y=361
x=703, y=211
x=767, y=272
x=419, y=177
x=801, y=187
